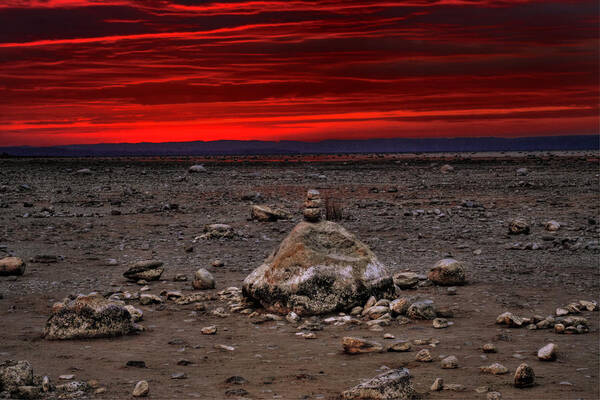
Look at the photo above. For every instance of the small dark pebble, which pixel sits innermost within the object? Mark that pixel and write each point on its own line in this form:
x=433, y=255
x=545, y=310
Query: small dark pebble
x=238, y=380
x=236, y=392
x=136, y=363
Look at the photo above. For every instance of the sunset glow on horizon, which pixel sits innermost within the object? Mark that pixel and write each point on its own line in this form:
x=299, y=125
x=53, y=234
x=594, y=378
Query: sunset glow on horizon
x=86, y=71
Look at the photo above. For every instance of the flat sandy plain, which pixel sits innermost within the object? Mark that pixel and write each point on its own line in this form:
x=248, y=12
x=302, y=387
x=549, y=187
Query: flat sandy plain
x=382, y=196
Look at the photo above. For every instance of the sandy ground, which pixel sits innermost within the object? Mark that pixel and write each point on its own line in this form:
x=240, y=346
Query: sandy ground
x=392, y=203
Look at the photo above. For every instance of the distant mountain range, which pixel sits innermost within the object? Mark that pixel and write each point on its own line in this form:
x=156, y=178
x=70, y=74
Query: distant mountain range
x=238, y=147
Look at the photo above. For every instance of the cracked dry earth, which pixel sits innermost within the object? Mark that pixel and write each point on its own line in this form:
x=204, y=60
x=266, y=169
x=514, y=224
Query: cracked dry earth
x=402, y=206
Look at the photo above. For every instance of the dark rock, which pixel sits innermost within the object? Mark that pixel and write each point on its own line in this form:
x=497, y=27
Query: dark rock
x=137, y=364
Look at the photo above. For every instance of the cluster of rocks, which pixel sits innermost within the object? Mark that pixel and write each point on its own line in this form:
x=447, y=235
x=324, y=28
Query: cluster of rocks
x=563, y=322
x=17, y=381
x=312, y=206
x=354, y=345
x=318, y=268
x=519, y=226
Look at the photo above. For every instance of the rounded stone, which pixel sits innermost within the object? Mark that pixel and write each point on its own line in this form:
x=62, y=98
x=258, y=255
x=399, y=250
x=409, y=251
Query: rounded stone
x=141, y=389
x=423, y=356
x=518, y=226
x=450, y=362
x=203, y=280
x=447, y=272
x=548, y=352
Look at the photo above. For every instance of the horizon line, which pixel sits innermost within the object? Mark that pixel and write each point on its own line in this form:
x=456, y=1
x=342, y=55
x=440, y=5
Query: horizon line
x=310, y=141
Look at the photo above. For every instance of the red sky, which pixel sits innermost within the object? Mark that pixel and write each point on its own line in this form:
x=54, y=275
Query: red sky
x=89, y=71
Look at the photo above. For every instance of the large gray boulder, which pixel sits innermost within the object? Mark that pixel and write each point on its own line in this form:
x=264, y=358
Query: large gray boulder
x=391, y=385
x=318, y=268
x=90, y=316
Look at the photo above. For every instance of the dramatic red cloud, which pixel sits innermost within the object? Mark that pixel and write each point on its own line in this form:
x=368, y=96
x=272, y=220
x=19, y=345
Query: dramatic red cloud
x=85, y=71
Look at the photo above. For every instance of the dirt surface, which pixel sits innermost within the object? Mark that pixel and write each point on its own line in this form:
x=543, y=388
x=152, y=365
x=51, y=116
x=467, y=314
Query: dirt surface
x=403, y=207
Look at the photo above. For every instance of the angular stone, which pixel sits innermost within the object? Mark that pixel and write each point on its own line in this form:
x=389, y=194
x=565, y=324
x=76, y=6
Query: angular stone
x=406, y=280
x=391, y=385
x=447, y=272
x=423, y=356
x=510, y=320
x=141, y=389
x=318, y=268
x=589, y=305
x=489, y=348
x=146, y=299
x=437, y=385
x=546, y=323
x=561, y=312
x=312, y=214
x=267, y=214
x=89, y=316
x=14, y=374
x=494, y=369
x=552, y=226
x=518, y=226
x=421, y=310
x=376, y=312
x=400, y=305
x=28, y=392
x=353, y=345
x=548, y=352
x=209, y=330
x=11, y=266
x=136, y=314
x=455, y=387
x=440, y=323
x=218, y=231
x=400, y=346
x=148, y=270
x=450, y=362
x=524, y=376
